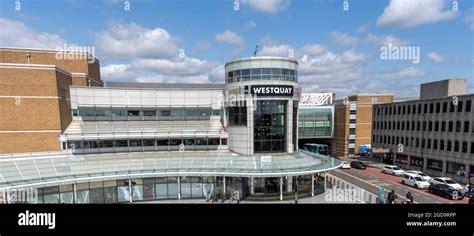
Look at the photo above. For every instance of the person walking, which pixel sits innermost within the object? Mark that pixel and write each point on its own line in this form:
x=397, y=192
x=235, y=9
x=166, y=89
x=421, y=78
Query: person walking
x=409, y=197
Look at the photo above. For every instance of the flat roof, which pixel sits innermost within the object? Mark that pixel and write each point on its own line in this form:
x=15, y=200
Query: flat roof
x=52, y=169
x=112, y=84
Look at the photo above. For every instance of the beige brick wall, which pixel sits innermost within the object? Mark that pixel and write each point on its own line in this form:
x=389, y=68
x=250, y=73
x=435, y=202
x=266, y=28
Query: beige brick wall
x=45, y=57
x=29, y=142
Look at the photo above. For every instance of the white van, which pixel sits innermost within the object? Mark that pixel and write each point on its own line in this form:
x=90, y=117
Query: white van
x=415, y=180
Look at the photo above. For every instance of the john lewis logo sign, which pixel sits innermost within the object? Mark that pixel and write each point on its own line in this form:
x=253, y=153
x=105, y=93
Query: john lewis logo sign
x=272, y=90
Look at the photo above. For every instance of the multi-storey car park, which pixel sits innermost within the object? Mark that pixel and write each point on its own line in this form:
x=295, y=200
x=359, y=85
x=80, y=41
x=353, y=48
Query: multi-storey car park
x=131, y=142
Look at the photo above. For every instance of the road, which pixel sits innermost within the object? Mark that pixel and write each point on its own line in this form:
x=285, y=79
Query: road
x=371, y=179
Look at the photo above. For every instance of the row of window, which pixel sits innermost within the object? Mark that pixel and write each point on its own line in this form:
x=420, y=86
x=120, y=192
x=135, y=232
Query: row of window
x=434, y=144
x=262, y=74
x=436, y=126
x=426, y=108
x=127, y=143
x=168, y=112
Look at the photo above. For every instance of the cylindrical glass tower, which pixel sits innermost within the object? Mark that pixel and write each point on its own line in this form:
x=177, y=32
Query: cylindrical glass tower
x=261, y=101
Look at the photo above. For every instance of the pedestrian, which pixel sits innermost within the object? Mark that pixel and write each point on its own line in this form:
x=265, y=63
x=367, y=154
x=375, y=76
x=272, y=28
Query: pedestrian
x=392, y=197
x=409, y=198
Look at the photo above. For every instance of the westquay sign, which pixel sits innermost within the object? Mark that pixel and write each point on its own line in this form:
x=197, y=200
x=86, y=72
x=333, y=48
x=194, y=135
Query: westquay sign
x=272, y=90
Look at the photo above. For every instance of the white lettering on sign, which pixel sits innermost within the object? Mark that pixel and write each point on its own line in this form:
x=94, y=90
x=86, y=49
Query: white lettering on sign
x=37, y=219
x=272, y=90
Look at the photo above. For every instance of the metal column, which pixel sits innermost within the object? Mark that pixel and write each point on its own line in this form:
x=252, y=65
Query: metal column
x=225, y=186
x=130, y=196
x=281, y=188
x=312, y=185
x=179, y=188
x=74, y=193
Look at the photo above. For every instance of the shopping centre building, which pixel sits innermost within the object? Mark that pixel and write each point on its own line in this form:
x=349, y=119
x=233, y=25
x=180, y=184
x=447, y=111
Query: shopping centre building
x=125, y=142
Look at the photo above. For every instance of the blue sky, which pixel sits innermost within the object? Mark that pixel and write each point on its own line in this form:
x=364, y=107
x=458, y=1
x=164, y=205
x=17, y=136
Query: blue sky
x=338, y=50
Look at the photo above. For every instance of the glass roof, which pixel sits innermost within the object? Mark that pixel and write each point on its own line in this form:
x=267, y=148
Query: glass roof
x=79, y=129
x=43, y=169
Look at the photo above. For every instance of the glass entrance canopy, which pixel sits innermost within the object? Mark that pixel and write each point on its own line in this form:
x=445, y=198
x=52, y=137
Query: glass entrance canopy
x=52, y=169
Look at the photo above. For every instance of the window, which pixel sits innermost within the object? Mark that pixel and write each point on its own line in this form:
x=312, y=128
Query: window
x=464, y=147
x=438, y=107
x=425, y=108
x=450, y=126
x=164, y=112
x=431, y=107
x=237, y=115
x=270, y=126
x=419, y=108
x=456, y=146
x=149, y=113
x=472, y=147
x=414, y=109
x=458, y=126
x=441, y=145
x=468, y=105
x=451, y=107
x=418, y=125
x=352, y=131
x=448, y=147
x=459, y=106
x=133, y=112
x=443, y=126
x=445, y=107
x=466, y=126
x=429, y=144
x=430, y=126
x=435, y=144
x=436, y=126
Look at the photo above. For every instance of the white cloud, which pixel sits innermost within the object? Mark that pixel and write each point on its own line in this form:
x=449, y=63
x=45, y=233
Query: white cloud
x=362, y=28
x=384, y=40
x=128, y=40
x=311, y=50
x=282, y=50
x=16, y=34
x=403, y=73
x=343, y=38
x=249, y=25
x=469, y=18
x=352, y=57
x=410, y=13
x=436, y=57
x=229, y=37
x=267, y=6
x=188, y=66
x=202, y=47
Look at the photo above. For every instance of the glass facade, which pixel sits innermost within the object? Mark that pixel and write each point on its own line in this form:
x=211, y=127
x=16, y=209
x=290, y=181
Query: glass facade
x=136, y=145
x=315, y=122
x=261, y=74
x=116, y=191
x=270, y=126
x=101, y=113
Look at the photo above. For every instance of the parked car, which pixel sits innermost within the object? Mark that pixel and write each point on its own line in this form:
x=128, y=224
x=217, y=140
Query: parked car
x=392, y=170
x=468, y=190
x=417, y=172
x=414, y=180
x=345, y=165
x=446, y=191
x=358, y=165
x=447, y=181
